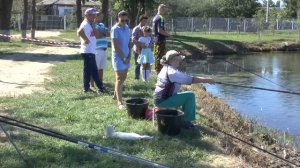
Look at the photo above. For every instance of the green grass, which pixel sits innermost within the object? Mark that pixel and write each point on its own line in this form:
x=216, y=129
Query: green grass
x=67, y=35
x=16, y=46
x=267, y=36
x=63, y=107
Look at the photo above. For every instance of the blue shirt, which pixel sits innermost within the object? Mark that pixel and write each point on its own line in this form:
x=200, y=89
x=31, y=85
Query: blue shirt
x=122, y=34
x=159, y=22
x=101, y=43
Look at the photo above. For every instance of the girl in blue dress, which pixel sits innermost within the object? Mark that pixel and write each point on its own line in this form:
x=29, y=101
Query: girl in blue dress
x=146, y=56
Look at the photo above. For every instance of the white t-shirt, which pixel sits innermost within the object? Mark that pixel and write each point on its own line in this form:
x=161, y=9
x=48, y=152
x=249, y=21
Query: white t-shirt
x=145, y=40
x=88, y=30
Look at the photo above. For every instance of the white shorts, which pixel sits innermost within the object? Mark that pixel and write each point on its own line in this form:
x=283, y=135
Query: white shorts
x=101, y=59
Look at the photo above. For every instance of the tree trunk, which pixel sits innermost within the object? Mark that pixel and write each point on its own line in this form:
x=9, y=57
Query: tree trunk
x=78, y=12
x=5, y=14
x=33, y=21
x=141, y=10
x=105, y=6
x=25, y=19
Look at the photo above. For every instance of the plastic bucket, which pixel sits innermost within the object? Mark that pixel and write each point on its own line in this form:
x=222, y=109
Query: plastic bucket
x=137, y=107
x=169, y=121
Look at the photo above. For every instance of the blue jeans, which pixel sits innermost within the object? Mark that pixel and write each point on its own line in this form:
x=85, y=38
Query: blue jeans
x=90, y=69
x=137, y=67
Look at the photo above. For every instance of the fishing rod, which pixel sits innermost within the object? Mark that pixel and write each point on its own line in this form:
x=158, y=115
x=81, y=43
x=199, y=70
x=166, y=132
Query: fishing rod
x=253, y=145
x=61, y=136
x=13, y=143
x=258, y=88
x=249, y=71
x=245, y=69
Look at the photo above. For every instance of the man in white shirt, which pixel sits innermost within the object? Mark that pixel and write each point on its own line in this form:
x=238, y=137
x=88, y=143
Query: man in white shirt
x=86, y=32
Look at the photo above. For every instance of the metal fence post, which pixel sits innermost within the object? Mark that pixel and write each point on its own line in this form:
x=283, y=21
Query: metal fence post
x=209, y=26
x=277, y=24
x=19, y=22
x=192, y=28
x=228, y=26
x=292, y=24
x=65, y=22
x=111, y=22
x=244, y=25
x=172, y=26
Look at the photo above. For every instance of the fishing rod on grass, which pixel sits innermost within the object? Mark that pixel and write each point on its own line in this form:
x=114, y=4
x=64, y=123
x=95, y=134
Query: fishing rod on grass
x=61, y=136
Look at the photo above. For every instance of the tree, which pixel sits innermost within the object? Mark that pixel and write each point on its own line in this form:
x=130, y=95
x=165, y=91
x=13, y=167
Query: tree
x=259, y=21
x=33, y=21
x=78, y=12
x=238, y=8
x=104, y=10
x=135, y=8
x=273, y=19
x=298, y=22
x=5, y=15
x=291, y=7
x=25, y=18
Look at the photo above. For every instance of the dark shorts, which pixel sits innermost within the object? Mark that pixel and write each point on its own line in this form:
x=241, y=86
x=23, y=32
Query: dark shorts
x=159, y=51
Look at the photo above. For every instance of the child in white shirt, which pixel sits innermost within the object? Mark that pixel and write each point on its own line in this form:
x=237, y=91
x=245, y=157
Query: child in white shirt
x=146, y=56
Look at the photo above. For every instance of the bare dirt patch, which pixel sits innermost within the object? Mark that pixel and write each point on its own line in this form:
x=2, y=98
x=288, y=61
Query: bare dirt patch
x=42, y=34
x=25, y=72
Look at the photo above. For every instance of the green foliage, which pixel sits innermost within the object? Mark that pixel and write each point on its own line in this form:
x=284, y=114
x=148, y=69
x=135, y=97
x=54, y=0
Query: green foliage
x=238, y=8
x=206, y=8
x=259, y=21
x=291, y=8
x=273, y=15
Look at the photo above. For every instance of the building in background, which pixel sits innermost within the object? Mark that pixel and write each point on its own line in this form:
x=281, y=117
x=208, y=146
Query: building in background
x=62, y=7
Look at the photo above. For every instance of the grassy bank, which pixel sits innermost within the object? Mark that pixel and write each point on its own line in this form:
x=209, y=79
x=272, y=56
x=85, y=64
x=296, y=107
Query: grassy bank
x=63, y=107
x=233, y=43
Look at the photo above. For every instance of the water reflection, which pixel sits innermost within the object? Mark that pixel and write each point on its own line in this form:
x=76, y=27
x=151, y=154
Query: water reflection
x=277, y=110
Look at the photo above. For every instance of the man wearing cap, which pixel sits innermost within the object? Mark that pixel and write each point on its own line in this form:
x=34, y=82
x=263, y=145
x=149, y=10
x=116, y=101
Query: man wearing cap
x=160, y=35
x=137, y=32
x=88, y=49
x=169, y=80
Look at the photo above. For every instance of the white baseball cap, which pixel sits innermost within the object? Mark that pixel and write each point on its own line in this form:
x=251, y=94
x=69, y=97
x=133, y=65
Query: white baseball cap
x=89, y=11
x=172, y=53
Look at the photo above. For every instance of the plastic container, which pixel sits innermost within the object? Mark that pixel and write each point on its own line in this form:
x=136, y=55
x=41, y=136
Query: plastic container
x=169, y=121
x=137, y=107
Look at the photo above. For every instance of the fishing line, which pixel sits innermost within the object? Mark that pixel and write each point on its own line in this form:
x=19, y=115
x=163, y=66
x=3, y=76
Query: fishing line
x=13, y=143
x=255, y=146
x=249, y=71
x=58, y=135
x=245, y=69
x=258, y=88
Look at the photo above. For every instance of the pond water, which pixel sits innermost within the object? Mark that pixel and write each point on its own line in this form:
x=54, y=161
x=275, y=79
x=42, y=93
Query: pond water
x=272, y=109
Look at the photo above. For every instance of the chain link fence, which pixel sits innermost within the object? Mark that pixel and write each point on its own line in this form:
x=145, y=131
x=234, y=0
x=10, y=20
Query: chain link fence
x=178, y=24
x=210, y=25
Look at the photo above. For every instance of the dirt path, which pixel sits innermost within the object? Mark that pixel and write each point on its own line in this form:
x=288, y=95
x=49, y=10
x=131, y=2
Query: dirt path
x=25, y=73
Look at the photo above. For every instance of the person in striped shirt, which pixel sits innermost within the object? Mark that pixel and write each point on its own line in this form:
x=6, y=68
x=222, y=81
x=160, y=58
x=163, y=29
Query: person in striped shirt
x=101, y=45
